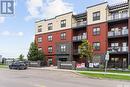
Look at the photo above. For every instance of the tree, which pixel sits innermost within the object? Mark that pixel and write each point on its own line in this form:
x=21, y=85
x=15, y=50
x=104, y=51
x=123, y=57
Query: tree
x=41, y=56
x=86, y=50
x=34, y=54
x=21, y=57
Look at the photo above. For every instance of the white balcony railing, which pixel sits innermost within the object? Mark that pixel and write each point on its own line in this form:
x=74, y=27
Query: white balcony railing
x=118, y=16
x=118, y=49
x=79, y=38
x=118, y=33
x=79, y=24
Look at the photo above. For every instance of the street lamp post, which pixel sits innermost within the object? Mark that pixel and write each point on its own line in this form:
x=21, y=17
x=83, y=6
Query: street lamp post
x=106, y=60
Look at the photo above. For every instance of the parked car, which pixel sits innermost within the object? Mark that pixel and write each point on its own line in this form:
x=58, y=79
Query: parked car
x=18, y=65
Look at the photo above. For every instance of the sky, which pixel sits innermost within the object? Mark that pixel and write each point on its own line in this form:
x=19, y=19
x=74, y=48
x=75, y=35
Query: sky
x=17, y=31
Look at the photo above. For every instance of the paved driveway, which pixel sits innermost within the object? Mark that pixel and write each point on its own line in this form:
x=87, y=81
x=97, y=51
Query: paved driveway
x=44, y=78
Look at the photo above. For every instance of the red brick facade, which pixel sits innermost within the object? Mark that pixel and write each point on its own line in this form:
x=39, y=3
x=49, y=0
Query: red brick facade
x=55, y=39
x=102, y=37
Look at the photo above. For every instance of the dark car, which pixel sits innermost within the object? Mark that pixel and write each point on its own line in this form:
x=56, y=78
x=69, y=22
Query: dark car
x=18, y=65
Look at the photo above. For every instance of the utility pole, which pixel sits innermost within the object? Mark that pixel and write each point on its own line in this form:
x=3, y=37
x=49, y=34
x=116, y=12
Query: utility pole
x=106, y=60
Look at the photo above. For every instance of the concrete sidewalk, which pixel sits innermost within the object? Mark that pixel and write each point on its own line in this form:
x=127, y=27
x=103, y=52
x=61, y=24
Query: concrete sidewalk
x=54, y=68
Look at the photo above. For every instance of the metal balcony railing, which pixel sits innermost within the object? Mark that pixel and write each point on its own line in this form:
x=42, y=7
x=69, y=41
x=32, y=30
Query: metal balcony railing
x=117, y=16
x=118, y=33
x=79, y=24
x=118, y=49
x=76, y=51
x=79, y=38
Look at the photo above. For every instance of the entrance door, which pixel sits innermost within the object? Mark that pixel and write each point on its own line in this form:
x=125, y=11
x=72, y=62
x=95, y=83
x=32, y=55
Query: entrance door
x=50, y=62
x=124, y=63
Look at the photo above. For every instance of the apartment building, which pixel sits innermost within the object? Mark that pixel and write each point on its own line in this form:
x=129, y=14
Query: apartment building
x=106, y=27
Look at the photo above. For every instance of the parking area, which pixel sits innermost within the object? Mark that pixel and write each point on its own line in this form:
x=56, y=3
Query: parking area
x=50, y=78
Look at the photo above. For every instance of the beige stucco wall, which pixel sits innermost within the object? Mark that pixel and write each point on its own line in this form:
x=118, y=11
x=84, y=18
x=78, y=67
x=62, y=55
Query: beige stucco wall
x=36, y=26
x=56, y=23
x=103, y=13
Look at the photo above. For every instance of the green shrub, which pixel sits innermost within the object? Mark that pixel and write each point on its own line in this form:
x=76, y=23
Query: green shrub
x=129, y=67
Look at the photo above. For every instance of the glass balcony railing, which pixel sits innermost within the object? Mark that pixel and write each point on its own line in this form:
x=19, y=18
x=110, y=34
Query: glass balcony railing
x=79, y=38
x=79, y=24
x=118, y=33
x=117, y=16
x=118, y=49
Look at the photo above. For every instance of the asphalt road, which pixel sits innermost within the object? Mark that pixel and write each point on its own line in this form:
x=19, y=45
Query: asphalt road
x=44, y=78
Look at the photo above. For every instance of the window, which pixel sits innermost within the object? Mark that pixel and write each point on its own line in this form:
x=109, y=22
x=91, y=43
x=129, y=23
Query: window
x=63, y=36
x=49, y=37
x=63, y=48
x=116, y=59
x=63, y=59
x=40, y=49
x=50, y=49
x=40, y=28
x=50, y=26
x=96, y=31
x=96, y=16
x=96, y=46
x=63, y=23
x=39, y=39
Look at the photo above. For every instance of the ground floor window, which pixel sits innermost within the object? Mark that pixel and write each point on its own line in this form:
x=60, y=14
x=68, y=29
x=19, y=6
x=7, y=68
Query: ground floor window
x=62, y=59
x=118, y=62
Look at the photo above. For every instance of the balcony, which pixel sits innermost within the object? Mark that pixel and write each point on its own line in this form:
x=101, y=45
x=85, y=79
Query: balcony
x=79, y=38
x=76, y=51
x=118, y=16
x=79, y=24
x=121, y=33
x=118, y=49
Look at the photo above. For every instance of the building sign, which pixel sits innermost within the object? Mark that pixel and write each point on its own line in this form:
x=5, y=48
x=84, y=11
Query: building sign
x=90, y=65
x=82, y=65
x=107, y=56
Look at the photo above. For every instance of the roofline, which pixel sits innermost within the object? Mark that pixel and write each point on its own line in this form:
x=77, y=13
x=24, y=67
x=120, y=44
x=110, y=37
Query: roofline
x=39, y=21
x=80, y=13
x=53, y=17
x=96, y=5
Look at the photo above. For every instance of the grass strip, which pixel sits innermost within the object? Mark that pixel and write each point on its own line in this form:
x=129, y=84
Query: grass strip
x=108, y=76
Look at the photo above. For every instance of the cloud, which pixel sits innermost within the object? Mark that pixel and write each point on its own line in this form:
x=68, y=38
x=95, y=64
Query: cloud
x=47, y=8
x=7, y=33
x=20, y=34
x=2, y=19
